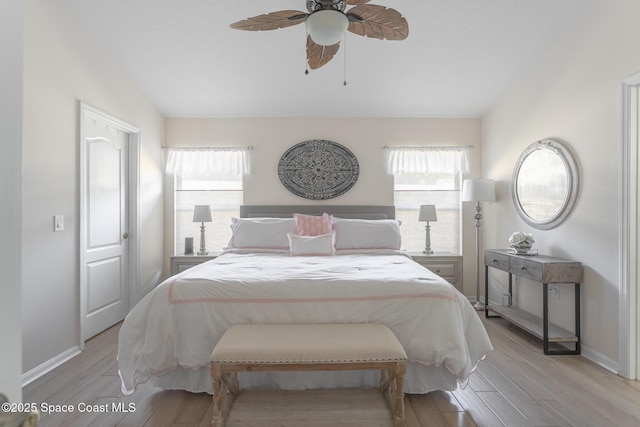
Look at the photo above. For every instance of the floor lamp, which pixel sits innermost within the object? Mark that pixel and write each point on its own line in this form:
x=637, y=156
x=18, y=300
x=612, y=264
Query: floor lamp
x=478, y=190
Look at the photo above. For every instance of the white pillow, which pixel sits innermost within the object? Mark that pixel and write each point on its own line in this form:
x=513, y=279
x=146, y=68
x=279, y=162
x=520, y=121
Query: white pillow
x=312, y=245
x=263, y=233
x=367, y=233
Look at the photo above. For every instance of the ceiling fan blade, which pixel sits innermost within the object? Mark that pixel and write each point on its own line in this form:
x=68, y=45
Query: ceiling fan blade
x=318, y=55
x=356, y=2
x=378, y=22
x=271, y=21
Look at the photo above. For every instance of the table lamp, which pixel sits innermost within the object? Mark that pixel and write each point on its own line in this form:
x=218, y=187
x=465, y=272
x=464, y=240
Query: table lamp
x=202, y=214
x=427, y=213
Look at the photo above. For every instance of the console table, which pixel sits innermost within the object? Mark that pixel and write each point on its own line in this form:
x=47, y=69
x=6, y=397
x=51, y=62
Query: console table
x=543, y=269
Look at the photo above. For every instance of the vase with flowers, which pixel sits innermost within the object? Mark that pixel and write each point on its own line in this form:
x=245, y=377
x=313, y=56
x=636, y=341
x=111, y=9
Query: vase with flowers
x=521, y=243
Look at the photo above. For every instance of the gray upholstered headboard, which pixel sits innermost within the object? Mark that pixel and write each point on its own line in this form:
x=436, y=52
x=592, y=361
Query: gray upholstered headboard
x=340, y=211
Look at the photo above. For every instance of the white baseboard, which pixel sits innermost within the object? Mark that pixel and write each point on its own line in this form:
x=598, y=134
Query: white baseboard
x=600, y=359
x=49, y=365
x=472, y=299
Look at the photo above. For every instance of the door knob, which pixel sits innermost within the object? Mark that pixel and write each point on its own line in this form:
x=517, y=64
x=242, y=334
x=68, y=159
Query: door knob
x=125, y=236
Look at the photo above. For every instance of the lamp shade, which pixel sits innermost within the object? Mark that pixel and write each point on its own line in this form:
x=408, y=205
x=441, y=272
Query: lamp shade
x=326, y=27
x=478, y=190
x=427, y=213
x=202, y=213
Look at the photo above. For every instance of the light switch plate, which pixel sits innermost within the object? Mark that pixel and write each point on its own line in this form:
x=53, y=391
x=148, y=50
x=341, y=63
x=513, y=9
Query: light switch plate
x=58, y=222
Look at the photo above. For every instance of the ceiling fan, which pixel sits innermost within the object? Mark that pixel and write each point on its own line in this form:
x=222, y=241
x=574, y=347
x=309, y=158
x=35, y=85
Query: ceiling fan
x=327, y=21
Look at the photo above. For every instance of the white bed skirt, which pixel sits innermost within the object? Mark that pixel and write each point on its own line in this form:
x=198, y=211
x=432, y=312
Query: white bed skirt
x=418, y=380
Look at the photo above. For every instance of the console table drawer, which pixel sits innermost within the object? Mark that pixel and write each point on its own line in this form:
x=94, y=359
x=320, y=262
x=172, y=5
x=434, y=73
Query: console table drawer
x=526, y=268
x=495, y=260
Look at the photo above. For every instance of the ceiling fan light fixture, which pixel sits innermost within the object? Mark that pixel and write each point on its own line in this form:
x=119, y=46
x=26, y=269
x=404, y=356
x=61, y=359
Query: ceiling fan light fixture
x=326, y=27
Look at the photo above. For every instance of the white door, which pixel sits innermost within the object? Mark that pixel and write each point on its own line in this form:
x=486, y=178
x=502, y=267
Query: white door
x=105, y=238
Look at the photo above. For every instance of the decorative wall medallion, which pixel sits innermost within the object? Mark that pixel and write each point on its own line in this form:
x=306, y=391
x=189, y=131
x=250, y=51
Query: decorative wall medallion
x=318, y=169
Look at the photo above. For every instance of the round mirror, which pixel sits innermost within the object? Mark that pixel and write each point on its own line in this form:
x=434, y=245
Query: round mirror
x=545, y=184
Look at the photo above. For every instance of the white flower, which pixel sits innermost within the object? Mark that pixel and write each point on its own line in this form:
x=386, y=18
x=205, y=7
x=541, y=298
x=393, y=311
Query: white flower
x=519, y=238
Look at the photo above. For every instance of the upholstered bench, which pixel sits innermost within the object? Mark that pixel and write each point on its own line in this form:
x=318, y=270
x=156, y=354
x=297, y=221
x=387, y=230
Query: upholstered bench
x=307, y=347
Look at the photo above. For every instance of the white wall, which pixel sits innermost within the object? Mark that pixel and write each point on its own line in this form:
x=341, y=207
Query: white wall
x=11, y=41
x=271, y=137
x=62, y=65
x=573, y=94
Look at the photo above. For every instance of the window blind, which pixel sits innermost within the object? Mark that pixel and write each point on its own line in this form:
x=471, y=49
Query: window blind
x=427, y=160
x=208, y=161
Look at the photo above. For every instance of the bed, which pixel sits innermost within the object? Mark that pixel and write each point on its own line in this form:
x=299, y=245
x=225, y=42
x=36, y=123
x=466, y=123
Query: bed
x=167, y=338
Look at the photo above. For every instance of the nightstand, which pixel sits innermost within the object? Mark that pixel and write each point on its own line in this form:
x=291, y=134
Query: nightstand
x=180, y=263
x=445, y=264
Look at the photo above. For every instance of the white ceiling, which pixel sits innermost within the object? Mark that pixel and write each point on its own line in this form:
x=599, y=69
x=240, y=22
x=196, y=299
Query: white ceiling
x=459, y=58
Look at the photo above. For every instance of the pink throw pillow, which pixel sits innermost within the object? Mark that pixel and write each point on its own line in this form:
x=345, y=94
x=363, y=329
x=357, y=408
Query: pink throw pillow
x=311, y=225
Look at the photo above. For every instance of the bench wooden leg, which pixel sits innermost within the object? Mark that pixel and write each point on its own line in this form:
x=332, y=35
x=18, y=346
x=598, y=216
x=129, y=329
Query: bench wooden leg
x=384, y=380
x=398, y=410
x=387, y=383
x=391, y=386
x=234, y=386
x=217, y=419
x=225, y=390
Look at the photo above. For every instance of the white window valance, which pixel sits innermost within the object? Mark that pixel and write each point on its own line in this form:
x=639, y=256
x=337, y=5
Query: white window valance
x=427, y=160
x=208, y=161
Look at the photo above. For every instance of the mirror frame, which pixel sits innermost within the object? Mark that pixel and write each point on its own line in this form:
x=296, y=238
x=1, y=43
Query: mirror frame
x=572, y=180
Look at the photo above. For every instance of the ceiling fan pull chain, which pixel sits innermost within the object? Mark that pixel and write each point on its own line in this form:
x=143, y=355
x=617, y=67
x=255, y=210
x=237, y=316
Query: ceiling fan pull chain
x=345, y=59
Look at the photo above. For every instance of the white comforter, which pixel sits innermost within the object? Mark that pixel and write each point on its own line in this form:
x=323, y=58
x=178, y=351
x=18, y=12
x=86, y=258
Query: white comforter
x=168, y=337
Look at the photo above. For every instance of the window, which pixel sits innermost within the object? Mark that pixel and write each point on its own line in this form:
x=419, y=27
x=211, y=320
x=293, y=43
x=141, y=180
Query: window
x=441, y=190
x=223, y=194
x=206, y=176
x=429, y=176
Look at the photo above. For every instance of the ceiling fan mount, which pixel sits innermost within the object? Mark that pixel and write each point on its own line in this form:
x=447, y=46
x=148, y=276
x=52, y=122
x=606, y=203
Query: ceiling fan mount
x=327, y=22
x=315, y=5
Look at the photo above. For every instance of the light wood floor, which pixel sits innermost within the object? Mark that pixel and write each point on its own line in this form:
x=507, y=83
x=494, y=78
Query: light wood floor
x=516, y=385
